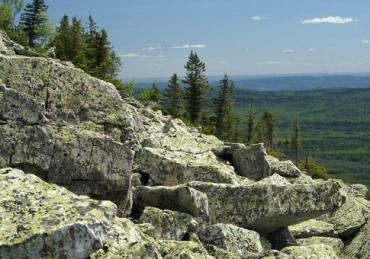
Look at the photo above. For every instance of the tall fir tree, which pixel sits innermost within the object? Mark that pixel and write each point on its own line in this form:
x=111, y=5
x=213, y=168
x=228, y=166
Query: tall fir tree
x=77, y=44
x=251, y=122
x=269, y=127
x=222, y=108
x=295, y=142
x=62, y=40
x=174, y=97
x=197, y=87
x=34, y=20
x=102, y=55
x=155, y=95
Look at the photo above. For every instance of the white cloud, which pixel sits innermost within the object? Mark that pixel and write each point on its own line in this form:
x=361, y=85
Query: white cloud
x=131, y=55
x=258, y=18
x=365, y=41
x=311, y=49
x=190, y=46
x=221, y=62
x=329, y=19
x=246, y=50
x=288, y=51
x=152, y=48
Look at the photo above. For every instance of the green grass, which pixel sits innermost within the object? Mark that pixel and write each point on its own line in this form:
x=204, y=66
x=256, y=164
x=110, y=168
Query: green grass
x=335, y=125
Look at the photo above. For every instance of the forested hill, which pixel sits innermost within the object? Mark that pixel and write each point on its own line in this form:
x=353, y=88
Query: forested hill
x=282, y=83
x=335, y=125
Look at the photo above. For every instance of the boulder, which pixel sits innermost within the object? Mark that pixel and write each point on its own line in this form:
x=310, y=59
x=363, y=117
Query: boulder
x=265, y=208
x=311, y=251
x=40, y=220
x=313, y=227
x=359, y=247
x=350, y=217
x=251, y=161
x=359, y=191
x=238, y=241
x=283, y=168
x=183, y=249
x=169, y=225
x=335, y=243
x=177, y=198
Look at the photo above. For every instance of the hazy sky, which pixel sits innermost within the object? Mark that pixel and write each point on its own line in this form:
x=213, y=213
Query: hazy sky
x=154, y=37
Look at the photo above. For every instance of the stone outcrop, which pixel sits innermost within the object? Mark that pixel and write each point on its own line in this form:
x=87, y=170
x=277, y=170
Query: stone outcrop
x=39, y=220
x=311, y=251
x=265, y=208
x=283, y=168
x=359, y=247
x=335, y=243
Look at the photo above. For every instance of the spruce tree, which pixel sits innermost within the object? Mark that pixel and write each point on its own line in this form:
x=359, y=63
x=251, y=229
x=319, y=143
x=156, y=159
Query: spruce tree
x=174, y=97
x=62, y=39
x=77, y=44
x=295, y=142
x=251, y=122
x=155, y=95
x=34, y=20
x=102, y=55
x=222, y=108
x=197, y=87
x=269, y=126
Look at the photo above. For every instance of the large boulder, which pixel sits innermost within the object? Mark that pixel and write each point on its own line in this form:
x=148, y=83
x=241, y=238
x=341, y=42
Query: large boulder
x=359, y=247
x=311, y=251
x=335, y=243
x=265, y=207
x=313, y=227
x=177, y=198
x=169, y=225
x=40, y=220
x=283, y=168
x=239, y=241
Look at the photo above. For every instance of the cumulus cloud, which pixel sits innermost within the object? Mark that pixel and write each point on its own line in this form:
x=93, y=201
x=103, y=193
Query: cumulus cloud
x=130, y=55
x=365, y=41
x=329, y=19
x=288, y=51
x=190, y=46
x=258, y=18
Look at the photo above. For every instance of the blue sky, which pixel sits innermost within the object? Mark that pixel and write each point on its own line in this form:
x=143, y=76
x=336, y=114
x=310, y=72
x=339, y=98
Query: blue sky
x=238, y=37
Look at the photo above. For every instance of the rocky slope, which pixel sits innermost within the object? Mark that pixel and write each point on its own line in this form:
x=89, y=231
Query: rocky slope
x=173, y=192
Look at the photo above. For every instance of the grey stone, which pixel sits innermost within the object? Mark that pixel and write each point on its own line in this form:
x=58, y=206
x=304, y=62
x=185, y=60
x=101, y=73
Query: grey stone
x=335, y=243
x=313, y=227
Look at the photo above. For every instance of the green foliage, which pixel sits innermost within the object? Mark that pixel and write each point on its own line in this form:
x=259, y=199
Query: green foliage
x=126, y=89
x=222, y=105
x=196, y=91
x=316, y=170
x=34, y=22
x=296, y=139
x=173, y=95
x=144, y=96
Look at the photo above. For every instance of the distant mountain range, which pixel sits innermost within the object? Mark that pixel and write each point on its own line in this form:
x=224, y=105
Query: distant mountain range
x=283, y=83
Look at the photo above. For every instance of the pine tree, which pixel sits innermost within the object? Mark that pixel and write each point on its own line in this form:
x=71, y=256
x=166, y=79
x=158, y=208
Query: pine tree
x=77, y=44
x=155, y=95
x=102, y=55
x=63, y=39
x=251, y=122
x=197, y=87
x=8, y=13
x=34, y=20
x=222, y=108
x=269, y=126
x=174, y=97
x=295, y=142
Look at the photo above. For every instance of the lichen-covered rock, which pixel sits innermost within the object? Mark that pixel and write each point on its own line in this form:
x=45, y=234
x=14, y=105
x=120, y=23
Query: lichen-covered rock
x=313, y=227
x=183, y=249
x=177, y=198
x=84, y=161
x=40, y=220
x=127, y=241
x=219, y=253
x=350, y=217
x=273, y=180
x=283, y=168
x=335, y=243
x=359, y=247
x=169, y=225
x=239, y=241
x=265, y=208
x=251, y=161
x=359, y=191
x=312, y=251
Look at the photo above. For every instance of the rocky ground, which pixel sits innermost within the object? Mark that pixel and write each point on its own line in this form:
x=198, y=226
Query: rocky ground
x=87, y=173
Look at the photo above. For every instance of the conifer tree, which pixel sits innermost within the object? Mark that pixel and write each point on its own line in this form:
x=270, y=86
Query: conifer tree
x=102, y=55
x=174, y=97
x=34, y=20
x=155, y=95
x=197, y=87
x=295, y=142
x=222, y=108
x=62, y=39
x=269, y=126
x=251, y=122
x=77, y=44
